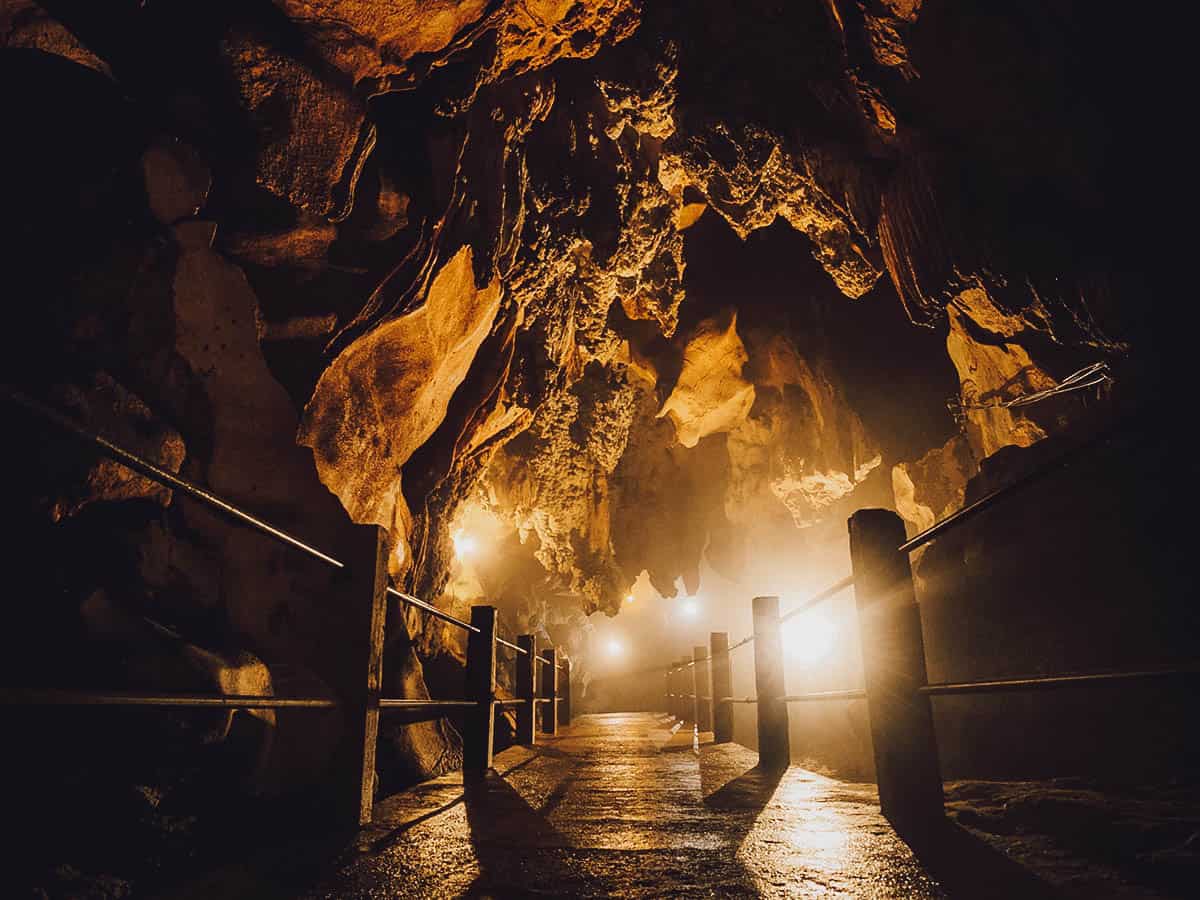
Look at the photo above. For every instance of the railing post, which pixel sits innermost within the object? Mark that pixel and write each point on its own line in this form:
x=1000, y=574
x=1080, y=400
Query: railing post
x=893, y=652
x=549, y=690
x=722, y=686
x=527, y=690
x=366, y=571
x=703, y=689
x=564, y=701
x=676, y=702
x=774, y=749
x=479, y=733
x=667, y=698
x=687, y=709
x=677, y=689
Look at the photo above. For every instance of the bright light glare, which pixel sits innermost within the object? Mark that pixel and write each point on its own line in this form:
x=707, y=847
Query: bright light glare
x=690, y=607
x=615, y=648
x=464, y=545
x=629, y=598
x=809, y=638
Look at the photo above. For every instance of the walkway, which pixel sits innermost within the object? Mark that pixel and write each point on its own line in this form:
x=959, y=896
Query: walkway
x=617, y=805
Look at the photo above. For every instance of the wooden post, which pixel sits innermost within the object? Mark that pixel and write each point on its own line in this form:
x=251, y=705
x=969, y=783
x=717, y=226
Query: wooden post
x=564, y=702
x=703, y=689
x=479, y=728
x=527, y=689
x=687, y=707
x=722, y=686
x=774, y=749
x=673, y=684
x=549, y=690
x=365, y=588
x=676, y=706
x=893, y=652
x=667, y=698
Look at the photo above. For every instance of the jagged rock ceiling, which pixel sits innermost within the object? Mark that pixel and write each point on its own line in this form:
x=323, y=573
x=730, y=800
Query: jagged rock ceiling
x=545, y=258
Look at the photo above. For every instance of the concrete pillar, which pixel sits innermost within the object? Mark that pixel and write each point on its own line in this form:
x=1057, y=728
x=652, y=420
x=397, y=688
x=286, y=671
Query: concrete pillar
x=774, y=749
x=893, y=652
x=526, y=689
x=704, y=716
x=479, y=727
x=365, y=591
x=722, y=687
x=549, y=690
x=564, y=687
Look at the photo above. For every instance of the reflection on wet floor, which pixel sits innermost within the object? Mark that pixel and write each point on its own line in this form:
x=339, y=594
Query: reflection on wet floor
x=618, y=805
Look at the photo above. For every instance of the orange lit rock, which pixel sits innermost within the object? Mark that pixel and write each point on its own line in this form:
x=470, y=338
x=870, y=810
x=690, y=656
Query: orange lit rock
x=710, y=394
x=750, y=178
x=933, y=486
x=395, y=44
x=989, y=373
x=388, y=391
x=312, y=135
x=26, y=24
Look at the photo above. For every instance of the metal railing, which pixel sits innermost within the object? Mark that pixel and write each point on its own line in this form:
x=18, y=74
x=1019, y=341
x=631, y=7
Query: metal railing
x=894, y=668
x=482, y=640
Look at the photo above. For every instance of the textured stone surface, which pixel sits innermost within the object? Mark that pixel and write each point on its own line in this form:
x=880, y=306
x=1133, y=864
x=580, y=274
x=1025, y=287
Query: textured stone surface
x=751, y=177
x=710, y=395
x=312, y=134
x=404, y=373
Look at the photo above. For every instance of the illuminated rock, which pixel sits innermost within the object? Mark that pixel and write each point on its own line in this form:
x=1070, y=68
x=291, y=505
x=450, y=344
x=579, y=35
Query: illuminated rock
x=710, y=395
x=387, y=393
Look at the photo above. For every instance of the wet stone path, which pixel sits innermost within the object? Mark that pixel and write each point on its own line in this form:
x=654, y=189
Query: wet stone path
x=619, y=805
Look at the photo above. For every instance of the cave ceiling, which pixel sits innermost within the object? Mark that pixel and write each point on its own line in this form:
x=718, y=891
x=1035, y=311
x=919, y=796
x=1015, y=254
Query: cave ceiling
x=645, y=284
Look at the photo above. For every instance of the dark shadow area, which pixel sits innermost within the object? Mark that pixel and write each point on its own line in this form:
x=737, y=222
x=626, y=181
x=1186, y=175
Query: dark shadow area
x=969, y=868
x=751, y=791
x=520, y=853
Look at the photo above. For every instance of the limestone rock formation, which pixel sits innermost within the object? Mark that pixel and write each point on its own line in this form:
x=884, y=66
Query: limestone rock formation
x=403, y=373
x=710, y=395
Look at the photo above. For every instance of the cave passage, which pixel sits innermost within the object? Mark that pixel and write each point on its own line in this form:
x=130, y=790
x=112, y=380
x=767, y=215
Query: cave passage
x=464, y=447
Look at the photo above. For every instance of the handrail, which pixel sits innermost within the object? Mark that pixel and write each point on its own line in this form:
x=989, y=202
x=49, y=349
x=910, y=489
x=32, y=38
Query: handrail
x=820, y=597
x=521, y=650
x=831, y=591
x=39, y=697
x=1054, y=681
x=56, y=697
x=391, y=703
x=162, y=476
x=854, y=694
x=1037, y=474
x=431, y=609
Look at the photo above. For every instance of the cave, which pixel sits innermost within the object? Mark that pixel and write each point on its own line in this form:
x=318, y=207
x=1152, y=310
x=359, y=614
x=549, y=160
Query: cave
x=410, y=402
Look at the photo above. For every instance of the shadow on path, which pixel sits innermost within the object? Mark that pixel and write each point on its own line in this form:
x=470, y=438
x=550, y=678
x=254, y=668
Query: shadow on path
x=967, y=867
x=749, y=792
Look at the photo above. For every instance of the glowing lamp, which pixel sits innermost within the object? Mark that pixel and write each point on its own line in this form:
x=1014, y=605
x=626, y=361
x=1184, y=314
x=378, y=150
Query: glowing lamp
x=690, y=607
x=629, y=598
x=810, y=638
x=614, y=648
x=465, y=546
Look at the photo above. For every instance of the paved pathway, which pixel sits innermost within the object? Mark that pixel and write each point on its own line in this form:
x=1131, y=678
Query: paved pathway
x=619, y=805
